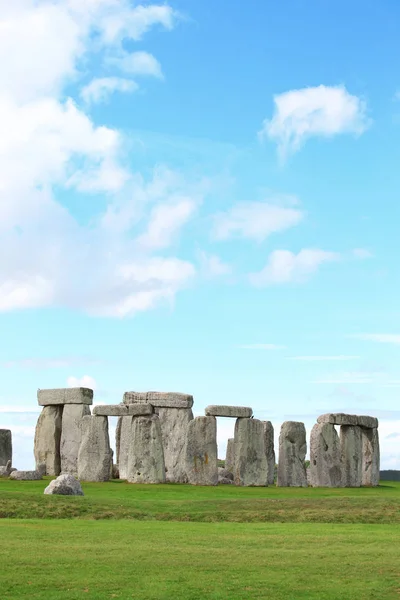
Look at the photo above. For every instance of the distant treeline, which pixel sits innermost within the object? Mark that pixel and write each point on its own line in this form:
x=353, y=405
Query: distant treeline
x=389, y=475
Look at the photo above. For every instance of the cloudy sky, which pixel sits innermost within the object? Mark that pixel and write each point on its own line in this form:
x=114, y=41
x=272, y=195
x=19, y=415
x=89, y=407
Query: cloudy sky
x=201, y=200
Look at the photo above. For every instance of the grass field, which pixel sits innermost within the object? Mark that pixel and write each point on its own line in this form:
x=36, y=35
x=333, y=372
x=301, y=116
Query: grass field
x=182, y=542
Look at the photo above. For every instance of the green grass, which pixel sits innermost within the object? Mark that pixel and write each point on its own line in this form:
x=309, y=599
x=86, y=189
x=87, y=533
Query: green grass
x=181, y=542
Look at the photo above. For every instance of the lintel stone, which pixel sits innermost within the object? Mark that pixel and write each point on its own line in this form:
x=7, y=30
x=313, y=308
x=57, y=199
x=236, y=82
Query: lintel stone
x=159, y=399
x=111, y=410
x=221, y=410
x=78, y=395
x=354, y=420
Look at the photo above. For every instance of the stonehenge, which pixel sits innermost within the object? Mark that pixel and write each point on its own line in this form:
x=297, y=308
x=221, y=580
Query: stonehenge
x=158, y=440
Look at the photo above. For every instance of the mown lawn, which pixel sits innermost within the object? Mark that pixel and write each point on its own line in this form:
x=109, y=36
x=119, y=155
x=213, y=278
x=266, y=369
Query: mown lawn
x=181, y=542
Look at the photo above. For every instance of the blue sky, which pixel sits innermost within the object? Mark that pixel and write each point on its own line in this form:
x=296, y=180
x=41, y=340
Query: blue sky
x=201, y=197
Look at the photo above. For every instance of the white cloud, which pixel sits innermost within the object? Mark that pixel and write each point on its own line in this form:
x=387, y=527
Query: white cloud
x=212, y=265
x=165, y=222
x=381, y=338
x=314, y=111
x=362, y=253
x=85, y=381
x=257, y=220
x=138, y=63
x=339, y=357
x=284, y=266
x=100, y=89
x=261, y=347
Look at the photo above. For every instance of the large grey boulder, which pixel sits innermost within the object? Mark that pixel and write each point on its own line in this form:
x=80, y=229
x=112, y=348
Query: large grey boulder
x=292, y=452
x=5, y=471
x=370, y=457
x=201, y=451
x=5, y=446
x=251, y=467
x=146, y=454
x=343, y=419
x=174, y=426
x=224, y=474
x=48, y=438
x=64, y=485
x=26, y=475
x=223, y=410
x=123, y=440
x=59, y=396
x=351, y=447
x=94, y=456
x=230, y=455
x=325, y=456
x=71, y=436
x=269, y=451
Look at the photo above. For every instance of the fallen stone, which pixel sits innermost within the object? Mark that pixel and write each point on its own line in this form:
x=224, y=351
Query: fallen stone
x=59, y=396
x=110, y=410
x=201, y=451
x=26, y=475
x=370, y=457
x=94, y=457
x=325, y=456
x=225, y=481
x=71, y=436
x=5, y=471
x=292, y=452
x=230, y=455
x=146, y=454
x=221, y=410
x=64, y=485
x=269, y=451
x=48, y=438
x=5, y=446
x=123, y=438
x=251, y=467
x=159, y=399
x=351, y=455
x=224, y=474
x=174, y=426
x=343, y=419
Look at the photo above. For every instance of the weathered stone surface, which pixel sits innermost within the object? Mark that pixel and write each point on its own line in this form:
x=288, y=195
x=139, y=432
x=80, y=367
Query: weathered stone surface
x=110, y=410
x=123, y=436
x=26, y=475
x=269, y=451
x=58, y=396
x=343, y=419
x=292, y=452
x=225, y=481
x=135, y=410
x=5, y=446
x=5, y=471
x=48, y=438
x=201, y=451
x=94, y=457
x=115, y=472
x=222, y=410
x=71, y=436
x=230, y=455
x=224, y=474
x=146, y=454
x=351, y=455
x=174, y=426
x=370, y=457
x=64, y=485
x=160, y=399
x=325, y=456
x=251, y=467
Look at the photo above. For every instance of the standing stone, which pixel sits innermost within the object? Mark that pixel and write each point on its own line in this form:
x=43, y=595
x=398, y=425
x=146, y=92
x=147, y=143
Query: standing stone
x=201, y=451
x=292, y=452
x=118, y=438
x=5, y=447
x=48, y=438
x=325, y=456
x=124, y=435
x=230, y=455
x=351, y=454
x=94, y=457
x=71, y=436
x=146, y=455
x=251, y=467
x=269, y=451
x=370, y=457
x=174, y=425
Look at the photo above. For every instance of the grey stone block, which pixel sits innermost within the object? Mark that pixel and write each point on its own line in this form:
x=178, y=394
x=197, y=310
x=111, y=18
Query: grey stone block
x=136, y=410
x=222, y=410
x=71, y=436
x=351, y=455
x=201, y=451
x=5, y=447
x=5, y=471
x=269, y=451
x=123, y=437
x=174, y=426
x=58, y=396
x=48, y=439
x=160, y=399
x=370, y=457
x=230, y=455
x=325, y=456
x=110, y=410
x=146, y=454
x=292, y=452
x=251, y=467
x=26, y=475
x=64, y=485
x=94, y=457
x=343, y=419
